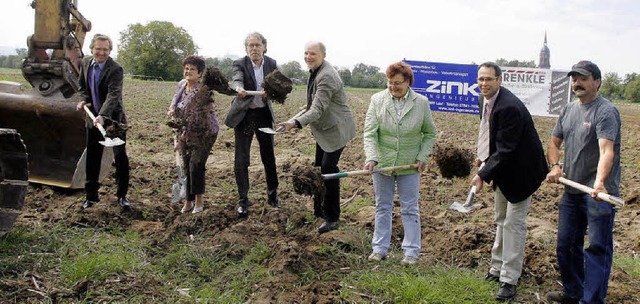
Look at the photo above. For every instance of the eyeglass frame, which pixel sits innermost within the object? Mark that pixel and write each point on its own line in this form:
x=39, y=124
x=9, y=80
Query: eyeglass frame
x=395, y=83
x=487, y=79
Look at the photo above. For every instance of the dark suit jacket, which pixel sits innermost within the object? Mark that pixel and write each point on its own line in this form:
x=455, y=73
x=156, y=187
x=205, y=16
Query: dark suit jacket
x=109, y=90
x=244, y=77
x=516, y=160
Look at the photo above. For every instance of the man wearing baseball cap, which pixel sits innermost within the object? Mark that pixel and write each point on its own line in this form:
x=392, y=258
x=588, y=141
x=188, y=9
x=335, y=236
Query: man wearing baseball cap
x=590, y=129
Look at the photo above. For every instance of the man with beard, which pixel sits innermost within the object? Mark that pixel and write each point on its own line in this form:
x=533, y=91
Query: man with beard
x=590, y=130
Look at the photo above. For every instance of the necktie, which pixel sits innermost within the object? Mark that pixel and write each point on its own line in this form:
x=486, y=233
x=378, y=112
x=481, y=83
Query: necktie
x=94, y=83
x=483, y=135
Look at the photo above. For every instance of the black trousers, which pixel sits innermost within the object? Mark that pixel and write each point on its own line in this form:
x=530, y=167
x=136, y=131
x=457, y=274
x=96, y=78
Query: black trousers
x=243, y=133
x=328, y=162
x=194, y=164
x=94, y=159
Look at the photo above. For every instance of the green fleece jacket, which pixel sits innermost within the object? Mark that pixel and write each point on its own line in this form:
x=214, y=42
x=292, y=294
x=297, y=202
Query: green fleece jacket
x=393, y=141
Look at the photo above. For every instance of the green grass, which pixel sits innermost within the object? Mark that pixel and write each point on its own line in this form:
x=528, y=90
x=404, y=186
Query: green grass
x=398, y=284
x=629, y=265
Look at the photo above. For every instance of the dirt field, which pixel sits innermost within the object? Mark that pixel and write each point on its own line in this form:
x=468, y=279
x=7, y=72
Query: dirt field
x=449, y=237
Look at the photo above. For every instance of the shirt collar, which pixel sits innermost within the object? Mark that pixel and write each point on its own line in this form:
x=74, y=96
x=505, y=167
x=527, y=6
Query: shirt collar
x=99, y=64
x=489, y=102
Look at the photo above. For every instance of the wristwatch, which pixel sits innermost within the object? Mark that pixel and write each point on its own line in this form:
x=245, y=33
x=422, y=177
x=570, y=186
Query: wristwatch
x=554, y=164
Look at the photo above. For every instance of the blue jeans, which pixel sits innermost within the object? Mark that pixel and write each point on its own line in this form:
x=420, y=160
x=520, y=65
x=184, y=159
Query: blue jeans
x=408, y=191
x=585, y=272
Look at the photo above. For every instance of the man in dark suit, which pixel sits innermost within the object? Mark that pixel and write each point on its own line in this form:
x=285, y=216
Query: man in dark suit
x=331, y=122
x=514, y=162
x=101, y=89
x=249, y=113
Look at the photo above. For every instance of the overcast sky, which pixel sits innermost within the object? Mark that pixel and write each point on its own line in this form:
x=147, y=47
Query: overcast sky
x=377, y=32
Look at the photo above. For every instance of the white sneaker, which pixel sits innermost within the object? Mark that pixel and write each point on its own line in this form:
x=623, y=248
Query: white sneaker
x=408, y=260
x=376, y=257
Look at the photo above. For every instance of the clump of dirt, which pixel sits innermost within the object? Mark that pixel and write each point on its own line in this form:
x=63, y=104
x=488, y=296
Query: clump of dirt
x=215, y=80
x=277, y=86
x=453, y=161
x=307, y=180
x=116, y=129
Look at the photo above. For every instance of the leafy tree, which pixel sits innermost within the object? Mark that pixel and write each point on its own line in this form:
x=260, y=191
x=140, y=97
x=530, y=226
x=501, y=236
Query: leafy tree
x=225, y=65
x=345, y=74
x=22, y=53
x=293, y=70
x=515, y=63
x=628, y=78
x=632, y=90
x=611, y=86
x=156, y=49
x=365, y=70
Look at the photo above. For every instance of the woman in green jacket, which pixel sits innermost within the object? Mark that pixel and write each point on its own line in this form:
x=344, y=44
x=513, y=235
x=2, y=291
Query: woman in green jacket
x=398, y=130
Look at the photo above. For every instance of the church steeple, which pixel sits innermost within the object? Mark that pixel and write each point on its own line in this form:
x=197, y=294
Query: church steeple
x=545, y=55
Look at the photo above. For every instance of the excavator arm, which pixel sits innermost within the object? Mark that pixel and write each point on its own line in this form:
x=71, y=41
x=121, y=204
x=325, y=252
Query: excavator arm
x=45, y=116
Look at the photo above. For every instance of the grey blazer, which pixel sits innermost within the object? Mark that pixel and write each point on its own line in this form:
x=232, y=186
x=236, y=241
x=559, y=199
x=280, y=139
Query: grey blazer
x=329, y=117
x=244, y=77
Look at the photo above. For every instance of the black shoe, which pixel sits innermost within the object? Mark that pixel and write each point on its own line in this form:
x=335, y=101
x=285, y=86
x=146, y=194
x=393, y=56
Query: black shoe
x=561, y=297
x=243, y=211
x=327, y=226
x=124, y=203
x=489, y=277
x=506, y=292
x=88, y=204
x=275, y=203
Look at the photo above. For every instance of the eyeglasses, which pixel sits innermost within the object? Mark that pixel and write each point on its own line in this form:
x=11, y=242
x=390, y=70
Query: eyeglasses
x=486, y=79
x=395, y=83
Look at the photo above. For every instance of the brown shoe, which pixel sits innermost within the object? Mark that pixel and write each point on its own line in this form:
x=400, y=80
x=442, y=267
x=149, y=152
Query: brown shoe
x=561, y=297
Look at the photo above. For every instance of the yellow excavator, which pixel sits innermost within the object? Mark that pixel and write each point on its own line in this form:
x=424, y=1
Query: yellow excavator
x=44, y=117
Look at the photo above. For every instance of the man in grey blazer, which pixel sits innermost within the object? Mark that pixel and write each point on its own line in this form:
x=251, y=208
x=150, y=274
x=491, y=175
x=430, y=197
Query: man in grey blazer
x=331, y=122
x=247, y=114
x=100, y=87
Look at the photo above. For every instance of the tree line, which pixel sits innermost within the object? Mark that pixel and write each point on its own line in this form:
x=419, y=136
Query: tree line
x=156, y=50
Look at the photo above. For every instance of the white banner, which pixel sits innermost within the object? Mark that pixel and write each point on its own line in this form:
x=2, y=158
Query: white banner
x=543, y=91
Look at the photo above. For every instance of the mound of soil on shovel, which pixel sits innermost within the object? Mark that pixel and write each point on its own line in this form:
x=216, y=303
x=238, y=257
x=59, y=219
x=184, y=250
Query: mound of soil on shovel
x=453, y=161
x=277, y=86
x=215, y=80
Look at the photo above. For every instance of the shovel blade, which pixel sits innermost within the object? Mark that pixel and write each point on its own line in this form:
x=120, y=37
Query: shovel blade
x=269, y=131
x=460, y=207
x=112, y=142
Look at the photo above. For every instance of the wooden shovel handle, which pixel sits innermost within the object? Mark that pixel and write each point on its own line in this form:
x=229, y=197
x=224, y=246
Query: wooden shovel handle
x=365, y=172
x=93, y=118
x=614, y=200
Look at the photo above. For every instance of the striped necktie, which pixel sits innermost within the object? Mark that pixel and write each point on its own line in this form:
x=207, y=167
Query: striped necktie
x=483, y=135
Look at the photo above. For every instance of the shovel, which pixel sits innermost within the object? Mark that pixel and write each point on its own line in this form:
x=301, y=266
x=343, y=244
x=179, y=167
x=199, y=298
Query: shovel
x=280, y=128
x=614, y=200
x=366, y=172
x=179, y=189
x=107, y=142
x=468, y=205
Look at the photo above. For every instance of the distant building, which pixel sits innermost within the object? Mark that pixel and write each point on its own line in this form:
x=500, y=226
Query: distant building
x=545, y=55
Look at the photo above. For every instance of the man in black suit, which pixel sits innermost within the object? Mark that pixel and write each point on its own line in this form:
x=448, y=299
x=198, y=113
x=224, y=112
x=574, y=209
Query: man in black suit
x=101, y=89
x=249, y=113
x=514, y=162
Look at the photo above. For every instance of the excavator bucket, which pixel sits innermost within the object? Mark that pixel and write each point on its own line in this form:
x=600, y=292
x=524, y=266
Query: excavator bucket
x=53, y=131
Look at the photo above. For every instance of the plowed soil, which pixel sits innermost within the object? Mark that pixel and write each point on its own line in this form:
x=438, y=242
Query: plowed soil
x=449, y=237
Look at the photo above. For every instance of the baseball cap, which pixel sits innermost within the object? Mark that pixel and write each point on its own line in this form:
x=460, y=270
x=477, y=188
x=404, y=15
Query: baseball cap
x=586, y=68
